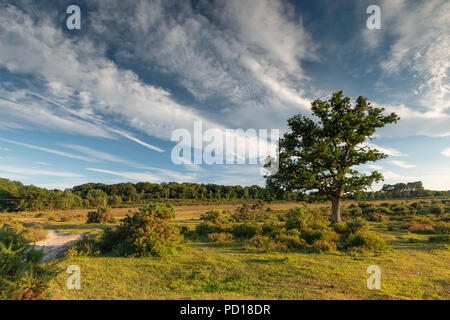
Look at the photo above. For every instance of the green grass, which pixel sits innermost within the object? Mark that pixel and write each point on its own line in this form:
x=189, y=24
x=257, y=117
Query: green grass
x=413, y=268
x=203, y=271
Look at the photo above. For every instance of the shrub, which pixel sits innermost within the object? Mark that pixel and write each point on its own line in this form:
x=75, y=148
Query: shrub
x=324, y=246
x=437, y=210
x=22, y=274
x=144, y=233
x=377, y=216
x=213, y=216
x=370, y=209
x=442, y=238
x=102, y=215
x=421, y=228
x=84, y=248
x=300, y=217
x=442, y=227
x=246, y=230
x=263, y=242
x=272, y=228
x=291, y=241
x=356, y=211
x=356, y=224
x=221, y=238
x=205, y=228
x=365, y=240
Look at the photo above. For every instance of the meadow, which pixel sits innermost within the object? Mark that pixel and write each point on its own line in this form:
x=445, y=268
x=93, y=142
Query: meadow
x=413, y=267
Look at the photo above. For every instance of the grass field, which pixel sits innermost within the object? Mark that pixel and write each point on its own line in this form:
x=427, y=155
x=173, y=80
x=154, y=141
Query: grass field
x=413, y=267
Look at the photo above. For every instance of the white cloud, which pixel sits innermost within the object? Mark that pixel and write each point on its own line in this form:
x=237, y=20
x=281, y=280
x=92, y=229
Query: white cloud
x=387, y=150
x=402, y=164
x=48, y=150
x=446, y=152
x=136, y=176
x=41, y=49
x=33, y=172
x=374, y=167
x=420, y=49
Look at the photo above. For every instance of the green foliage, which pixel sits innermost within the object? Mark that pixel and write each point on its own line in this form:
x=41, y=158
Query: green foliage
x=213, y=216
x=22, y=274
x=221, y=238
x=102, y=215
x=301, y=217
x=442, y=238
x=365, y=240
x=319, y=156
x=146, y=232
x=437, y=209
x=246, y=230
x=84, y=248
x=355, y=225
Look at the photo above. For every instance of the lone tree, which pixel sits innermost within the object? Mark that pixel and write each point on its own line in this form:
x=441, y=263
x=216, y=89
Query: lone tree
x=318, y=156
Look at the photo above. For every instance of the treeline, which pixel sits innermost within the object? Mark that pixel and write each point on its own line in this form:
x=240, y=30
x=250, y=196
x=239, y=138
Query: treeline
x=400, y=191
x=14, y=196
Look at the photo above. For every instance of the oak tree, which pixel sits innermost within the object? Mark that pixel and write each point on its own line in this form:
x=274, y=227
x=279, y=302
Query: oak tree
x=318, y=156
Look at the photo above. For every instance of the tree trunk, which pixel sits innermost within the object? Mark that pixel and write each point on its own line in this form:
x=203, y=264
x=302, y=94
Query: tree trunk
x=336, y=210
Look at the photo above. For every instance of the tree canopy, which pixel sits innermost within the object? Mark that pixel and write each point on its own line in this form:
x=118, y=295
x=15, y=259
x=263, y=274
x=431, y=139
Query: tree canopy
x=319, y=155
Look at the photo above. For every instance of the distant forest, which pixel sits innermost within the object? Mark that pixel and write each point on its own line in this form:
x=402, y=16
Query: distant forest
x=14, y=196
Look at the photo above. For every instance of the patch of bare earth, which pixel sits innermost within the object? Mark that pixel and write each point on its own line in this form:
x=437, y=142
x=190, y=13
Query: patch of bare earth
x=56, y=243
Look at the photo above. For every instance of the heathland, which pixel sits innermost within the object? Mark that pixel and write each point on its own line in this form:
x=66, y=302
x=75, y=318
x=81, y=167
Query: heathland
x=276, y=250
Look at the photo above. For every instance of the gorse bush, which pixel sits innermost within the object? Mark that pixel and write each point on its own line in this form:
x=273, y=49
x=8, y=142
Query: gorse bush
x=102, y=215
x=300, y=229
x=22, y=274
x=146, y=232
x=84, y=248
x=213, y=216
x=301, y=217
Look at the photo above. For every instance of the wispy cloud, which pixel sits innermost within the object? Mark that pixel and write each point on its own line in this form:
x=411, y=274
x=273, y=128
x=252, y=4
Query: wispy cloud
x=389, y=151
x=136, y=176
x=48, y=150
x=29, y=171
x=402, y=164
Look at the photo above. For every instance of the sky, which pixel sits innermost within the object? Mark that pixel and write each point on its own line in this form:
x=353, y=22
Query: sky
x=100, y=104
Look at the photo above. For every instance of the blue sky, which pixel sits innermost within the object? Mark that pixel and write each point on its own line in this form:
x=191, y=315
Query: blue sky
x=99, y=104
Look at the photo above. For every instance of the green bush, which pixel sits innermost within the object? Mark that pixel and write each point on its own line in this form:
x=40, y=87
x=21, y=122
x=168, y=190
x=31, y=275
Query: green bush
x=356, y=224
x=144, y=233
x=206, y=228
x=102, y=215
x=300, y=217
x=442, y=238
x=264, y=243
x=324, y=245
x=291, y=241
x=246, y=230
x=437, y=210
x=221, y=238
x=213, y=216
x=366, y=241
x=22, y=274
x=84, y=248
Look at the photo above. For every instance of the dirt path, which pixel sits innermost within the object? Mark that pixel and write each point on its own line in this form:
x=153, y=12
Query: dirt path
x=56, y=243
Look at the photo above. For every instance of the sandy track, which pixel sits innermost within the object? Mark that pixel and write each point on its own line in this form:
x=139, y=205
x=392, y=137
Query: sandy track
x=56, y=243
